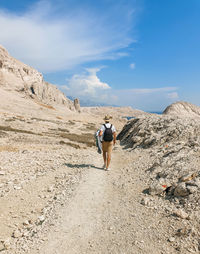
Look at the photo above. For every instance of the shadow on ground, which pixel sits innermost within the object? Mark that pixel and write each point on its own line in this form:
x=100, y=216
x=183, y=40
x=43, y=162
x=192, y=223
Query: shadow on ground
x=70, y=165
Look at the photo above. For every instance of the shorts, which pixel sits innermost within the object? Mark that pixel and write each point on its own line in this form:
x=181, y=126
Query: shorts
x=107, y=146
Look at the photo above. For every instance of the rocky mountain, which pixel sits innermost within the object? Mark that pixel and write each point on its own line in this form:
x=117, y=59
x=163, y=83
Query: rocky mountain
x=17, y=76
x=182, y=108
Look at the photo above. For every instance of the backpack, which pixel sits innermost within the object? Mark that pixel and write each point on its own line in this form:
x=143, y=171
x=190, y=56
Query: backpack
x=108, y=135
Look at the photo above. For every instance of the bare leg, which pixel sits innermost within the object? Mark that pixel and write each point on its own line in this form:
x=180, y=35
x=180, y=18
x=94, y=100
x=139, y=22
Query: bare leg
x=104, y=157
x=108, y=160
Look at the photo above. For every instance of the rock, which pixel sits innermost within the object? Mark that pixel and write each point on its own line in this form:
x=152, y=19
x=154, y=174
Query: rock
x=157, y=188
x=171, y=239
x=6, y=244
x=50, y=189
x=77, y=105
x=181, y=214
x=41, y=219
x=17, y=187
x=26, y=223
x=192, y=189
x=2, y=173
x=181, y=190
x=145, y=201
x=2, y=247
x=188, y=177
x=17, y=234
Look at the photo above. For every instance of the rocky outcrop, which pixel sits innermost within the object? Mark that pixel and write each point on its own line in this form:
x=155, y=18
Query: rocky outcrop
x=155, y=130
x=77, y=105
x=173, y=144
x=183, y=109
x=15, y=75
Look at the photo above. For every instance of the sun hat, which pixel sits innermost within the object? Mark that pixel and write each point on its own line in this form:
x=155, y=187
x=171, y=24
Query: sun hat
x=107, y=117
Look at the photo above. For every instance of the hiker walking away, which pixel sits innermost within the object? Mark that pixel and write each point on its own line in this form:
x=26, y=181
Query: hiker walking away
x=108, y=133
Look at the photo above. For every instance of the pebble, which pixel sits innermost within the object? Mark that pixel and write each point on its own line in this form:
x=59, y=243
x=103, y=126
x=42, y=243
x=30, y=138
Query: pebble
x=7, y=244
x=181, y=214
x=41, y=218
x=17, y=234
x=2, y=247
x=171, y=239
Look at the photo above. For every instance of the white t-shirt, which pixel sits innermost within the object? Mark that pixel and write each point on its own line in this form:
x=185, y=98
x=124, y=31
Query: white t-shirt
x=107, y=126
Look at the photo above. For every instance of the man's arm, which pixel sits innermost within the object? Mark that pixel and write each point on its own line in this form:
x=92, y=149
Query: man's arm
x=114, y=137
x=100, y=133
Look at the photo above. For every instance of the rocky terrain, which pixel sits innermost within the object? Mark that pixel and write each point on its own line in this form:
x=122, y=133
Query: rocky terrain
x=54, y=195
x=173, y=173
x=183, y=109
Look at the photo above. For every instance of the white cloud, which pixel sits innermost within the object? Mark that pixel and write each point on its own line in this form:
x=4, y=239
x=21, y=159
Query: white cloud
x=50, y=42
x=132, y=66
x=153, y=90
x=88, y=86
x=173, y=95
x=148, y=99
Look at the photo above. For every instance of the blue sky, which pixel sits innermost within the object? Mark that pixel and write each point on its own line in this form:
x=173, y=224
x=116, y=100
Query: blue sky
x=139, y=53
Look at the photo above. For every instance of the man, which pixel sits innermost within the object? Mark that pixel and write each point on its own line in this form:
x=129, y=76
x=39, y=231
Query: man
x=108, y=133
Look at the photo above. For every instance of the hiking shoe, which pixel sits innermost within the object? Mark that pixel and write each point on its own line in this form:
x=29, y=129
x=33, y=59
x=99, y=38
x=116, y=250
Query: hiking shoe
x=107, y=169
x=104, y=166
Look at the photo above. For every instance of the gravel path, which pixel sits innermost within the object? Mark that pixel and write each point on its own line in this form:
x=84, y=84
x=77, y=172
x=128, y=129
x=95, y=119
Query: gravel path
x=105, y=214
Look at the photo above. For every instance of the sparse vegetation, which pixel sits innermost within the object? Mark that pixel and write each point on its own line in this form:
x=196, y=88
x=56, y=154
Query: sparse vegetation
x=8, y=149
x=85, y=138
x=8, y=128
x=70, y=144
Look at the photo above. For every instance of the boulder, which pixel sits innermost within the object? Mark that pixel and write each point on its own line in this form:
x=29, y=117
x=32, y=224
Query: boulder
x=181, y=190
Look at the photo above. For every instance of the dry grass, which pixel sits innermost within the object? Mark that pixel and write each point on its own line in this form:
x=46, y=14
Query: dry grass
x=8, y=128
x=85, y=138
x=59, y=129
x=8, y=149
x=70, y=144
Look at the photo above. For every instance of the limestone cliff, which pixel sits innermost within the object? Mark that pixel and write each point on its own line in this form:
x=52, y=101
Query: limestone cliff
x=17, y=76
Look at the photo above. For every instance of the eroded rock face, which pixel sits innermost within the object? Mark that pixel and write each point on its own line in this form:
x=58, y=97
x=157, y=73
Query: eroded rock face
x=77, y=105
x=173, y=144
x=182, y=108
x=161, y=130
x=15, y=75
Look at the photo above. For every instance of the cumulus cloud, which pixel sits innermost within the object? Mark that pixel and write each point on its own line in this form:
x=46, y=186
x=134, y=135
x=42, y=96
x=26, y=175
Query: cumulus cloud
x=88, y=86
x=51, y=42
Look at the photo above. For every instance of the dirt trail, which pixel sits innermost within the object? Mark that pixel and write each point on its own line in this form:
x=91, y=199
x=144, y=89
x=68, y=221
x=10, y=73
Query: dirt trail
x=105, y=216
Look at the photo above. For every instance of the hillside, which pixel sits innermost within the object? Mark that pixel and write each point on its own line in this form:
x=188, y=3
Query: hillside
x=183, y=109
x=26, y=82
